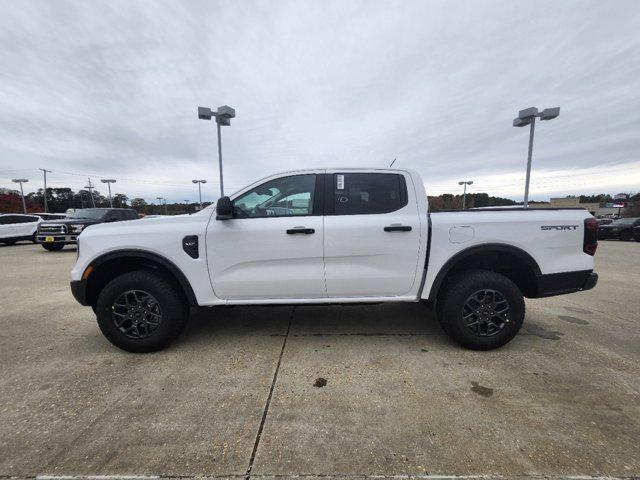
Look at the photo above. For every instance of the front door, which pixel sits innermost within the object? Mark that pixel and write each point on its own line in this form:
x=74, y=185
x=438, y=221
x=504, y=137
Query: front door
x=272, y=248
x=372, y=234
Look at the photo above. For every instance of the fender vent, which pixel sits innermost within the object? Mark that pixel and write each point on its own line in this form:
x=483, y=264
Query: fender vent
x=190, y=245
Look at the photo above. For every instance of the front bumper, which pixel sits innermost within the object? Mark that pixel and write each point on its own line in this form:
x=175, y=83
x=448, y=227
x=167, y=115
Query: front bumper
x=42, y=238
x=79, y=291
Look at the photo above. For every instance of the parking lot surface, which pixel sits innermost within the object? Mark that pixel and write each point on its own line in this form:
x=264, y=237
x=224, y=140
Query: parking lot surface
x=235, y=395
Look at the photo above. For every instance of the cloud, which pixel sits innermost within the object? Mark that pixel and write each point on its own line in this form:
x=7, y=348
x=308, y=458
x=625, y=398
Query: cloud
x=111, y=89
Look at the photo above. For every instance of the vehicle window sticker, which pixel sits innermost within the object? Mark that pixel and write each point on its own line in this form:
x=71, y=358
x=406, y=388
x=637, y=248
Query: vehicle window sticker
x=339, y=182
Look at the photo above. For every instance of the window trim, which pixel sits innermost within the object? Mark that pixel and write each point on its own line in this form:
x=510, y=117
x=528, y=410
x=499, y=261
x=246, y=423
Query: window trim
x=317, y=197
x=329, y=193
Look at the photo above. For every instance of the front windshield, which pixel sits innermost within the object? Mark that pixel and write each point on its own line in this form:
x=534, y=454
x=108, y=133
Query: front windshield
x=624, y=221
x=89, y=213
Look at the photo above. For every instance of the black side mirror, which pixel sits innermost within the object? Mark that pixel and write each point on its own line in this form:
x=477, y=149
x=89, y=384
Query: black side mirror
x=224, y=208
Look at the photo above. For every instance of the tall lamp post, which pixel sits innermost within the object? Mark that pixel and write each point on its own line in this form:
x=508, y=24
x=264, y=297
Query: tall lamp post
x=223, y=116
x=464, y=195
x=528, y=117
x=109, y=181
x=160, y=199
x=199, y=182
x=21, y=181
x=44, y=171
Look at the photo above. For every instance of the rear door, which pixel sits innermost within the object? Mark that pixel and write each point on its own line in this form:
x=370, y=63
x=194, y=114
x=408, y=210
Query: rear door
x=272, y=247
x=372, y=234
x=25, y=225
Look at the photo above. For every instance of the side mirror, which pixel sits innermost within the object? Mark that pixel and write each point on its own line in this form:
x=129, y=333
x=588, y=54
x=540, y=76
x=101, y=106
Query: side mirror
x=224, y=209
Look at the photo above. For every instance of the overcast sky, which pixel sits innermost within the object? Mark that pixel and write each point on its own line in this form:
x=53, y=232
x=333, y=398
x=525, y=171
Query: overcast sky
x=110, y=89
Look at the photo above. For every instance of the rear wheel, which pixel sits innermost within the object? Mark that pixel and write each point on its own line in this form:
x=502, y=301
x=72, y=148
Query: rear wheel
x=480, y=309
x=141, y=311
x=53, y=247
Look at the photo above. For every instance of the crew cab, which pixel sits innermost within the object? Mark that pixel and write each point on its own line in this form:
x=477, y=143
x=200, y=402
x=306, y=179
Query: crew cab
x=333, y=236
x=55, y=234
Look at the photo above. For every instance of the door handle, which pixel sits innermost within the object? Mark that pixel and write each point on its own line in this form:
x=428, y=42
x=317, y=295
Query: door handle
x=302, y=230
x=397, y=228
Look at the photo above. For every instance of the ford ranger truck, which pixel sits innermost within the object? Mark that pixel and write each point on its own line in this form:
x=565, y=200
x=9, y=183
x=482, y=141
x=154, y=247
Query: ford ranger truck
x=333, y=236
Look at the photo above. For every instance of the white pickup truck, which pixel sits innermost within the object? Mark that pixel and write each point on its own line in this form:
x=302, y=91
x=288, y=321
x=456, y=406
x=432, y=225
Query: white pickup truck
x=333, y=236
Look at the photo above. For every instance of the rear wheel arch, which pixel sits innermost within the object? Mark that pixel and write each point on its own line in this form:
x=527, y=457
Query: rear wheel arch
x=512, y=262
x=113, y=264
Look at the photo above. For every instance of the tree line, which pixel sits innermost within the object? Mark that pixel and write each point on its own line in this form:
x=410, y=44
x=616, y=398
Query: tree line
x=59, y=200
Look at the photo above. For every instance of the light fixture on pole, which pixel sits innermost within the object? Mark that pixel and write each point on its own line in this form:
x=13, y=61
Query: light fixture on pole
x=464, y=195
x=528, y=117
x=46, y=208
x=199, y=182
x=160, y=199
x=21, y=181
x=109, y=181
x=223, y=117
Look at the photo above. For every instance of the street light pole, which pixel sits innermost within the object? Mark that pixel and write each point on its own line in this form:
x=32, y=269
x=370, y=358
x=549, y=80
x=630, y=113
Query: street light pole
x=223, y=116
x=528, y=117
x=199, y=182
x=21, y=181
x=464, y=195
x=109, y=181
x=46, y=209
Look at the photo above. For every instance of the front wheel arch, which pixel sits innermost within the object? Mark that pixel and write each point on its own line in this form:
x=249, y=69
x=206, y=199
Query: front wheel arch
x=113, y=264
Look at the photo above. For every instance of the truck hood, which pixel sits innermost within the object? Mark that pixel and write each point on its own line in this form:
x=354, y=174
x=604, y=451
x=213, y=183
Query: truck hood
x=71, y=221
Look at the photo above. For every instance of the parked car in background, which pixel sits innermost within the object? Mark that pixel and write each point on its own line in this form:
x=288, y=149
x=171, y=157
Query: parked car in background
x=621, y=229
x=15, y=227
x=55, y=234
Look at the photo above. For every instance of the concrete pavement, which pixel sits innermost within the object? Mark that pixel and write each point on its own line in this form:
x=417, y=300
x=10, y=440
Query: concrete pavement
x=235, y=394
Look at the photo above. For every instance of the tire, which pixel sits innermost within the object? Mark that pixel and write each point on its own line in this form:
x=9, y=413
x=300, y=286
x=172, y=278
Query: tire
x=162, y=314
x=53, y=247
x=33, y=237
x=463, y=293
x=626, y=235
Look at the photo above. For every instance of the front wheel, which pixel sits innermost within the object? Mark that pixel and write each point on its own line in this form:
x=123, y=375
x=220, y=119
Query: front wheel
x=141, y=311
x=53, y=247
x=480, y=309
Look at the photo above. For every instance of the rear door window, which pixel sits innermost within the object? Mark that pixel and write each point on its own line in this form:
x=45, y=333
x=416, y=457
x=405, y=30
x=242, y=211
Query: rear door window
x=367, y=193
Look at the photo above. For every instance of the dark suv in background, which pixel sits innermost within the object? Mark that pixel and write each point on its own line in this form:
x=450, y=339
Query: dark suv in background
x=621, y=229
x=54, y=235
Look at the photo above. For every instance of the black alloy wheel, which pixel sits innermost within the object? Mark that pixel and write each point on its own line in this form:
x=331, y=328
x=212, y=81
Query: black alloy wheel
x=136, y=313
x=486, y=312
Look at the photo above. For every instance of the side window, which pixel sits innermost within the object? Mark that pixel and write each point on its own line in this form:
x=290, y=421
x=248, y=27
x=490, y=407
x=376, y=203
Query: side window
x=282, y=197
x=31, y=219
x=5, y=219
x=130, y=215
x=368, y=193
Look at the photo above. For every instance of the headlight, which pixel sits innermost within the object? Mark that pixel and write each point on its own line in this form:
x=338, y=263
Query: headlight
x=76, y=228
